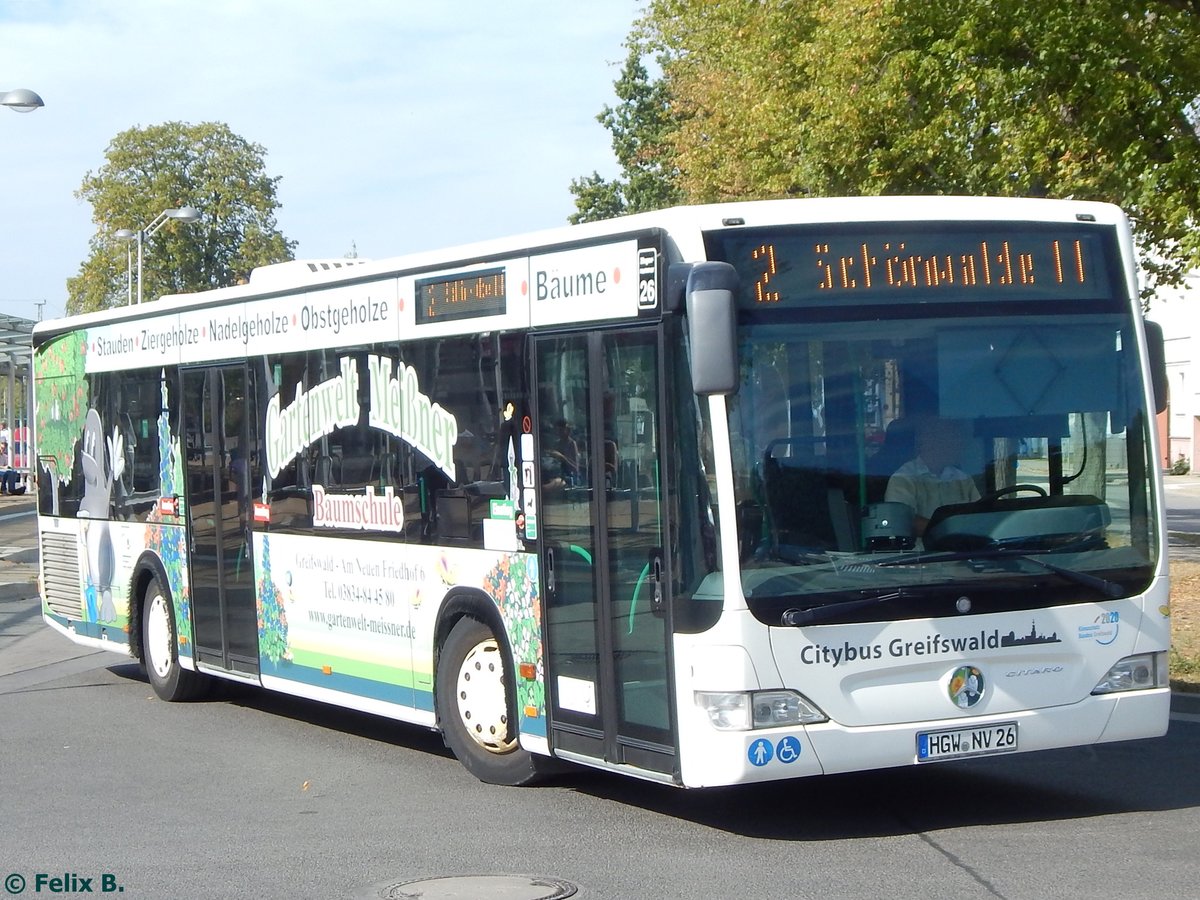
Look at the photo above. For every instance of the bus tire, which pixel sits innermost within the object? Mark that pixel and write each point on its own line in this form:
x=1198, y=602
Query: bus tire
x=476, y=700
x=160, y=649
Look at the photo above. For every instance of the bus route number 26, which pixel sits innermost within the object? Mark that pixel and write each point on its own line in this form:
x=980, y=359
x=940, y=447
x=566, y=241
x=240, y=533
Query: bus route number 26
x=647, y=278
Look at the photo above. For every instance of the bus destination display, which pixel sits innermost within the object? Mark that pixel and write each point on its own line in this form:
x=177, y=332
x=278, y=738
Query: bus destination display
x=467, y=296
x=804, y=269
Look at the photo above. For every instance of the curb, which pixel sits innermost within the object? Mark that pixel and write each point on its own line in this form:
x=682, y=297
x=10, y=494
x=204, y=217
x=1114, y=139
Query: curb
x=1185, y=703
x=1186, y=538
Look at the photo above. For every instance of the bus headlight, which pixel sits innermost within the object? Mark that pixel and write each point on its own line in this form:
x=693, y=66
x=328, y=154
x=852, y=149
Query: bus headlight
x=745, y=710
x=1135, y=673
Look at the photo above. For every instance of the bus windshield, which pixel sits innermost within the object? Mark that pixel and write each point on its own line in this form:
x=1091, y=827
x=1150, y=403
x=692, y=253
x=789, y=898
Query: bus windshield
x=896, y=456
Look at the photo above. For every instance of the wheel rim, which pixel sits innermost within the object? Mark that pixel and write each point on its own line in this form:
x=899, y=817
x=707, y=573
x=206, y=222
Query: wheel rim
x=158, y=637
x=482, y=702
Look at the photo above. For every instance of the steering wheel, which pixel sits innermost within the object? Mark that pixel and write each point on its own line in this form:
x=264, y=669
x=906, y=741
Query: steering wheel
x=1013, y=489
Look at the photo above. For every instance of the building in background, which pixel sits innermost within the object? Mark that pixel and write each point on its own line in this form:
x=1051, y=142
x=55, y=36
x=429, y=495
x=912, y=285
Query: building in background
x=1178, y=311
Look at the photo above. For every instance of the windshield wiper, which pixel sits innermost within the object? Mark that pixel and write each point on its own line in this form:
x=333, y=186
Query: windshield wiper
x=1109, y=589
x=823, y=615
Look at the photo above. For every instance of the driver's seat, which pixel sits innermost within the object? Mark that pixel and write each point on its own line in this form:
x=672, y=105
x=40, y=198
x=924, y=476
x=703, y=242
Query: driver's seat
x=806, y=508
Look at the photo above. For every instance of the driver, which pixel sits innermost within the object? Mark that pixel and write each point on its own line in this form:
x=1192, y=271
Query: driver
x=932, y=478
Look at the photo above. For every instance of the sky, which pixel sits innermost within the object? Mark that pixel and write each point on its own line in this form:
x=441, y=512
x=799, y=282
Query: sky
x=395, y=125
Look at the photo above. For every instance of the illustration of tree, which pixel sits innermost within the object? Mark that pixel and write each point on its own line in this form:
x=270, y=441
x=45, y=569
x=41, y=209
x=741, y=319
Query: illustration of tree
x=163, y=534
x=512, y=584
x=272, y=617
x=61, y=394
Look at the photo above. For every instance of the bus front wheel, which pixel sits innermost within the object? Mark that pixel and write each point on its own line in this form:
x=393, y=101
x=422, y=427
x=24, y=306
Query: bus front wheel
x=476, y=706
x=159, y=649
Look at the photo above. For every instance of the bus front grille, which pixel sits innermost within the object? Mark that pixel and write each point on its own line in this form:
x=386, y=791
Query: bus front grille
x=60, y=574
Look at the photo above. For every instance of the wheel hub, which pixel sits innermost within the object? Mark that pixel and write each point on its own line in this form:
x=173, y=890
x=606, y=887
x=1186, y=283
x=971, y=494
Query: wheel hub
x=158, y=637
x=482, y=705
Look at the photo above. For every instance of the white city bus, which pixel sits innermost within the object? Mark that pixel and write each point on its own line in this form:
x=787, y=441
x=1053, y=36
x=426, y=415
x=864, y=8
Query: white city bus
x=618, y=493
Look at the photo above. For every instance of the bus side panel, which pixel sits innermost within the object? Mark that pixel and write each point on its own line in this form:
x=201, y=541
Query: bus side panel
x=107, y=456
x=358, y=617
x=88, y=569
x=168, y=542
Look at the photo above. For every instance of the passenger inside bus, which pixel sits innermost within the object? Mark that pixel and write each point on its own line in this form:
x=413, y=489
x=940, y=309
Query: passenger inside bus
x=933, y=478
x=562, y=464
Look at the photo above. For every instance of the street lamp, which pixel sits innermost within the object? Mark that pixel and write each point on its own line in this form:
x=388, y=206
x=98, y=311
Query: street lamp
x=21, y=100
x=185, y=214
x=124, y=234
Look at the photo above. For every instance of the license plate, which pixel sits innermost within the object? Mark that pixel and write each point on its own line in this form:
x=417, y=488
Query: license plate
x=955, y=743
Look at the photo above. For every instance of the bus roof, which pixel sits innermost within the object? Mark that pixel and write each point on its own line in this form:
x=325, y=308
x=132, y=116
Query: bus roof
x=685, y=225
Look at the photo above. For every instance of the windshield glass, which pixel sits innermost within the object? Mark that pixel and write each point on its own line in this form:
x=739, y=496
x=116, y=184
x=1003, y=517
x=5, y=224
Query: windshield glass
x=920, y=459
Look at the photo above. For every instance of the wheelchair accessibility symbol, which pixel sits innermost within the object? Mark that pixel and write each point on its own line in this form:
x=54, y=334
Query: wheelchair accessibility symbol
x=787, y=750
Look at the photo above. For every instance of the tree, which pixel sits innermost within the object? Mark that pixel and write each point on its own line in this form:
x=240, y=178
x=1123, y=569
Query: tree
x=638, y=125
x=147, y=170
x=785, y=98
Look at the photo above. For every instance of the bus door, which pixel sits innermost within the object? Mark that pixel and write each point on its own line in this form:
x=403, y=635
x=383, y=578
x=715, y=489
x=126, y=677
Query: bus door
x=602, y=536
x=222, y=464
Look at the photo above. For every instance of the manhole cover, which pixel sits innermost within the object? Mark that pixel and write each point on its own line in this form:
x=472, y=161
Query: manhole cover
x=475, y=887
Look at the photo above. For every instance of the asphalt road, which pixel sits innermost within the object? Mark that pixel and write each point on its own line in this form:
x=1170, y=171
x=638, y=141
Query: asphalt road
x=253, y=795
x=1183, y=505
x=1183, y=516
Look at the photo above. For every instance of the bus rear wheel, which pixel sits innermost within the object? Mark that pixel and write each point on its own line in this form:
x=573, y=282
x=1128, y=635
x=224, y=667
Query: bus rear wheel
x=160, y=649
x=477, y=704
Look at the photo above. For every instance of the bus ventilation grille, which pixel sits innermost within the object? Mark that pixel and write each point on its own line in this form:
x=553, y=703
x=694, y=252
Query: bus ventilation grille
x=60, y=573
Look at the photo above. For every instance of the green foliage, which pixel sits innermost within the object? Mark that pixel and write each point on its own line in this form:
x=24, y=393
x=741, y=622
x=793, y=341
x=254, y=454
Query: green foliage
x=735, y=77
x=1185, y=671
x=787, y=98
x=147, y=170
x=597, y=199
x=638, y=125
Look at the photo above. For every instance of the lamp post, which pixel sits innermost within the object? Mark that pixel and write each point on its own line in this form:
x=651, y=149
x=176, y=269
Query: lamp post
x=124, y=234
x=185, y=214
x=21, y=100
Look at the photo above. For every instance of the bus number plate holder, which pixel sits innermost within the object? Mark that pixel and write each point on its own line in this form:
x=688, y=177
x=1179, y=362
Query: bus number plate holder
x=957, y=743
